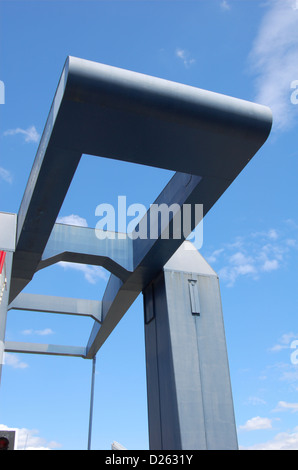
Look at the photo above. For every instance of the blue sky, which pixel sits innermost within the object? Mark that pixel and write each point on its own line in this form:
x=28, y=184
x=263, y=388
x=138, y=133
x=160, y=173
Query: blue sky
x=243, y=48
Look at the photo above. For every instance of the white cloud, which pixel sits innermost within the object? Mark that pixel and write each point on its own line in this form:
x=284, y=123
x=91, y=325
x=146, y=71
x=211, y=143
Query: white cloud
x=27, y=332
x=270, y=265
x=225, y=5
x=91, y=273
x=240, y=264
x=44, y=332
x=5, y=175
x=73, y=219
x=254, y=255
x=185, y=56
x=291, y=242
x=215, y=255
x=274, y=60
x=241, y=260
x=30, y=134
x=28, y=439
x=13, y=361
x=256, y=423
x=290, y=376
x=273, y=234
x=256, y=401
x=285, y=372
x=284, y=342
x=282, y=441
x=284, y=406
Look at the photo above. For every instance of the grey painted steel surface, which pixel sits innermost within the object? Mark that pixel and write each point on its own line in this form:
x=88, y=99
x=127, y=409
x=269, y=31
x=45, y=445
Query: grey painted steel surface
x=207, y=139
x=156, y=122
x=83, y=245
x=48, y=349
x=52, y=304
x=190, y=403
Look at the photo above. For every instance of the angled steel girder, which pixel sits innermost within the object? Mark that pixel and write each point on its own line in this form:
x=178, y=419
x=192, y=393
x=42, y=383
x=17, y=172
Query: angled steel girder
x=47, y=349
x=207, y=138
x=62, y=305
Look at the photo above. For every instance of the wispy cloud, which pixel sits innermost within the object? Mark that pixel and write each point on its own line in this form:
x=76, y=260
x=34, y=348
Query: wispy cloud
x=73, y=219
x=253, y=255
x=284, y=342
x=44, y=332
x=274, y=60
x=13, y=361
x=92, y=274
x=255, y=401
x=283, y=372
x=30, y=134
x=215, y=255
x=185, y=56
x=284, y=406
x=225, y=6
x=5, y=175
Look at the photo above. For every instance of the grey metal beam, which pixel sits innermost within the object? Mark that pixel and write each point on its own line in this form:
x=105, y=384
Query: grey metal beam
x=39, y=209
x=117, y=299
x=85, y=245
x=157, y=122
x=150, y=255
x=207, y=139
x=60, y=305
x=47, y=349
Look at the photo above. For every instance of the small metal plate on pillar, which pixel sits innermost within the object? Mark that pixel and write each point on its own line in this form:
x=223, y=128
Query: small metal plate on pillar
x=194, y=297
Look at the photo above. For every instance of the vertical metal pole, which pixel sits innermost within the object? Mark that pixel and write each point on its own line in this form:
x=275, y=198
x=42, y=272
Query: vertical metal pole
x=91, y=402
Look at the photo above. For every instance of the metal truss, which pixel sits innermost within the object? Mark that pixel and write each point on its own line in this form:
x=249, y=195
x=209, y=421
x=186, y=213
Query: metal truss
x=207, y=139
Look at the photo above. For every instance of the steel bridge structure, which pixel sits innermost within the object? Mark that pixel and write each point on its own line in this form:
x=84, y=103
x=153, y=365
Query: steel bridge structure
x=207, y=139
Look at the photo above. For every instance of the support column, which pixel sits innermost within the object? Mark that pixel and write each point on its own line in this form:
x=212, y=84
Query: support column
x=4, y=288
x=8, y=225
x=190, y=403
